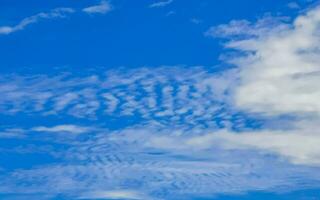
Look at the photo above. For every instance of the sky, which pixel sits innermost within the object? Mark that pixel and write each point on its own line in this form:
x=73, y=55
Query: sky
x=160, y=100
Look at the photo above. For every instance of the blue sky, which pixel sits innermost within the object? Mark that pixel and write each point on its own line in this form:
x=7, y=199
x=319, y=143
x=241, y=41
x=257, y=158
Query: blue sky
x=156, y=100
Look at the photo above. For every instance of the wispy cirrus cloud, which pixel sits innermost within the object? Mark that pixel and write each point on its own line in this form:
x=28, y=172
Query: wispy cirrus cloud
x=293, y=5
x=55, y=13
x=67, y=128
x=116, y=194
x=125, y=164
x=241, y=29
x=12, y=133
x=286, y=143
x=160, y=4
x=102, y=8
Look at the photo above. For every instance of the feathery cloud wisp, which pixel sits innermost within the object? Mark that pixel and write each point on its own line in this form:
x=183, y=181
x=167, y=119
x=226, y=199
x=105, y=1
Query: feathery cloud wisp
x=101, y=8
x=115, y=194
x=55, y=13
x=62, y=128
x=160, y=4
x=287, y=144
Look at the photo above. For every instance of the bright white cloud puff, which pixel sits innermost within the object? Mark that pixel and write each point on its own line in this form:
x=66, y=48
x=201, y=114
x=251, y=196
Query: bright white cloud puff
x=278, y=74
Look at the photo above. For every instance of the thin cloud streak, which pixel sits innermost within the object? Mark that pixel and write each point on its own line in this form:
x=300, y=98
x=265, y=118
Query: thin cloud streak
x=55, y=13
x=160, y=4
x=67, y=128
x=102, y=8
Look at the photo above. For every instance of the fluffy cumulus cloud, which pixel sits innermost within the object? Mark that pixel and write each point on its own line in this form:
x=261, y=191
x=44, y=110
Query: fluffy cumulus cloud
x=278, y=75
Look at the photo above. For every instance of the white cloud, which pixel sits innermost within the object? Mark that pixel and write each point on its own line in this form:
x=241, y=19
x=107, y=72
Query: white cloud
x=195, y=20
x=147, y=93
x=245, y=28
x=160, y=4
x=102, y=8
x=62, y=101
x=280, y=71
x=121, y=165
x=62, y=128
x=280, y=55
x=278, y=74
x=298, y=146
x=116, y=165
x=293, y=5
x=116, y=194
x=12, y=133
x=55, y=13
